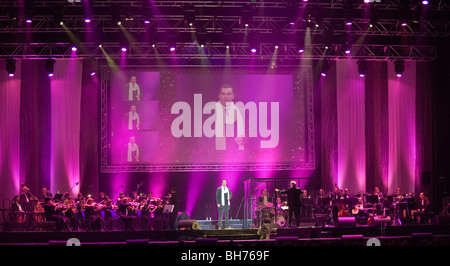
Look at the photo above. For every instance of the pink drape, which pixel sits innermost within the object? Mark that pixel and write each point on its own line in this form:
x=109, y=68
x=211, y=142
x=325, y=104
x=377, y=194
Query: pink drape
x=65, y=120
x=351, y=126
x=9, y=132
x=402, y=128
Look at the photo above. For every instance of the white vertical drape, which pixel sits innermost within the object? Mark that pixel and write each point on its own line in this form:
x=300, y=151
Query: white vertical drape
x=9, y=132
x=402, y=128
x=65, y=120
x=351, y=126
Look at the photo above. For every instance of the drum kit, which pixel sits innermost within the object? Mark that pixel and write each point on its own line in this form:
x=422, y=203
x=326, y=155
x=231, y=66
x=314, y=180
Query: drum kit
x=270, y=213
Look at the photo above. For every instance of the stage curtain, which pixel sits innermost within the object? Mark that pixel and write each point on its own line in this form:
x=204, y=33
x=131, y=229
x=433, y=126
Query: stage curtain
x=402, y=128
x=35, y=126
x=65, y=121
x=328, y=117
x=351, y=126
x=9, y=133
x=89, y=131
x=424, y=127
x=377, y=128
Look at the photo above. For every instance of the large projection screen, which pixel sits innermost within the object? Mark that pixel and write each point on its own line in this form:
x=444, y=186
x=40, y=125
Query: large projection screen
x=157, y=119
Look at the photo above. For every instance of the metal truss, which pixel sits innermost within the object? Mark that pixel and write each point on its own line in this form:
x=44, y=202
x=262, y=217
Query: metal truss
x=218, y=23
x=264, y=51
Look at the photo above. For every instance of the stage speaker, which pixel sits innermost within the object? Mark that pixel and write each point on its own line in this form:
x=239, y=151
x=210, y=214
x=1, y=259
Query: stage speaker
x=188, y=225
x=267, y=228
x=346, y=221
x=385, y=221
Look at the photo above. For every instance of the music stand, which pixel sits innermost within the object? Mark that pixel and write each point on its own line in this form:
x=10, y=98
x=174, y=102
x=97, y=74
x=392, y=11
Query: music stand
x=57, y=197
x=168, y=208
x=372, y=199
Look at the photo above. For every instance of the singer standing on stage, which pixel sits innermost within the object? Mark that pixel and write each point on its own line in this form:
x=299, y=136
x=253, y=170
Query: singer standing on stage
x=223, y=197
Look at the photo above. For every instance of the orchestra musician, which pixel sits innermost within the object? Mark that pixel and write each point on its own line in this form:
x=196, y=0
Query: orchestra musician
x=264, y=211
x=91, y=214
x=45, y=194
x=25, y=199
x=53, y=213
x=126, y=213
x=423, y=212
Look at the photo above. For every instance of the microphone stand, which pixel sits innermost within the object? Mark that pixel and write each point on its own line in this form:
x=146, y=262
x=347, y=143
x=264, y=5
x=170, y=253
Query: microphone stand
x=75, y=184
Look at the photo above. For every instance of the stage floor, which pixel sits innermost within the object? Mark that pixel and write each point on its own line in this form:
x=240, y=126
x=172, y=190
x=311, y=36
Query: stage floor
x=305, y=235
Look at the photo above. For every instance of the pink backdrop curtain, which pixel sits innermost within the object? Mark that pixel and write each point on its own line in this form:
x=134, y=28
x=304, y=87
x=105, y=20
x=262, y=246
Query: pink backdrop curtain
x=9, y=132
x=351, y=126
x=65, y=121
x=402, y=128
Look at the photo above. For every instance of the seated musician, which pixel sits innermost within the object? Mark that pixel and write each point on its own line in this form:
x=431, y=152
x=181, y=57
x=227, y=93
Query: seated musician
x=15, y=204
x=107, y=207
x=263, y=200
x=360, y=213
x=102, y=197
x=69, y=208
x=45, y=194
x=346, y=194
x=423, y=212
x=91, y=215
x=25, y=198
x=336, y=193
x=121, y=197
x=53, y=213
x=17, y=215
x=126, y=213
x=159, y=218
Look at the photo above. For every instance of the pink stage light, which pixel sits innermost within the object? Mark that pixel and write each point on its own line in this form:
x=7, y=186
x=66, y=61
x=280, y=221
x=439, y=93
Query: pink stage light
x=28, y=21
x=124, y=49
x=253, y=50
x=301, y=50
x=172, y=49
x=50, y=74
x=87, y=20
x=11, y=74
x=74, y=48
x=425, y=2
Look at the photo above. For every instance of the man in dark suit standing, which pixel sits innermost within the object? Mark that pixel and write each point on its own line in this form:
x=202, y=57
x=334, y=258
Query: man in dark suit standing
x=223, y=197
x=293, y=201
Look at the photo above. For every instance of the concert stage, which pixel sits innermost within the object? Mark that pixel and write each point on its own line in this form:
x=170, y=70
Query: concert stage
x=305, y=235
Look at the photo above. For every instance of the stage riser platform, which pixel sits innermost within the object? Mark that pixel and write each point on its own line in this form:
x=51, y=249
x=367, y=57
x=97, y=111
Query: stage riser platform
x=251, y=234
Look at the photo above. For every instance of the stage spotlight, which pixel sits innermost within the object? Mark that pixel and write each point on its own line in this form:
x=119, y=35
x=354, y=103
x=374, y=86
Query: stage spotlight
x=74, y=48
x=253, y=50
x=50, y=66
x=29, y=21
x=425, y=2
x=11, y=67
x=172, y=49
x=124, y=49
x=87, y=20
x=399, y=67
x=362, y=68
x=325, y=67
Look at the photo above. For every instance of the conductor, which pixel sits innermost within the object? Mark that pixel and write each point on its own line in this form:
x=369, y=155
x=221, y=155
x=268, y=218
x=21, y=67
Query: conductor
x=293, y=201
